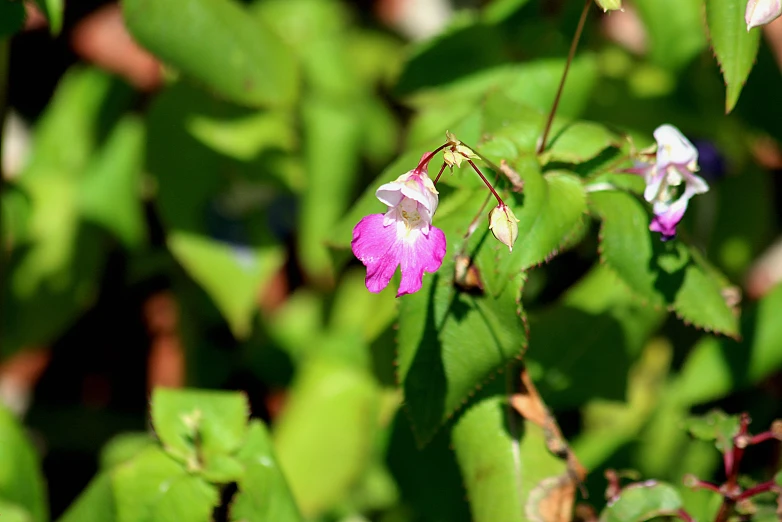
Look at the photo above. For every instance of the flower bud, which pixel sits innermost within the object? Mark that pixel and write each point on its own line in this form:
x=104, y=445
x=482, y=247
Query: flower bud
x=503, y=224
x=761, y=12
x=456, y=152
x=610, y=5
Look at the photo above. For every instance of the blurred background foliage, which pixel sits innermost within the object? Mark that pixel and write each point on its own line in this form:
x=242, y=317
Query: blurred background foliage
x=180, y=182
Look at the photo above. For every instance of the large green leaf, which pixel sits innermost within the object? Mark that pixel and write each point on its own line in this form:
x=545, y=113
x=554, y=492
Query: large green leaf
x=201, y=428
x=220, y=44
x=580, y=141
x=734, y=46
x=661, y=274
x=644, y=501
x=451, y=341
x=14, y=513
x=94, y=504
x=339, y=403
x=508, y=471
x=263, y=494
x=675, y=28
x=152, y=487
x=21, y=482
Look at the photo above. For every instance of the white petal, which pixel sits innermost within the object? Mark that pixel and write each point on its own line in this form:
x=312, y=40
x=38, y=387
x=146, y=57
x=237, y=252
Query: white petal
x=673, y=148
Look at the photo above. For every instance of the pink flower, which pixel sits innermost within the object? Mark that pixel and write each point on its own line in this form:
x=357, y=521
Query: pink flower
x=762, y=12
x=404, y=235
x=675, y=165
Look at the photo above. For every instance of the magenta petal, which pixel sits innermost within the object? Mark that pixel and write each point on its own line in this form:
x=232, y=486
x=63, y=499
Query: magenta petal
x=426, y=253
x=381, y=251
x=375, y=246
x=665, y=222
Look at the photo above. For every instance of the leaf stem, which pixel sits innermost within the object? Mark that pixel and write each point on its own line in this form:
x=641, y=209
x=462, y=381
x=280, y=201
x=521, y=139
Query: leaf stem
x=442, y=169
x=486, y=181
x=426, y=159
x=571, y=54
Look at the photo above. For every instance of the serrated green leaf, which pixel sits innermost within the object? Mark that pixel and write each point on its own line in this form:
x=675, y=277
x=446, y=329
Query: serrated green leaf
x=339, y=403
x=233, y=276
x=201, y=429
x=675, y=28
x=152, y=487
x=580, y=142
x=715, y=367
x=717, y=426
x=734, y=46
x=21, y=482
x=94, y=504
x=263, y=494
x=451, y=341
x=220, y=44
x=661, y=274
x=506, y=466
x=111, y=191
x=644, y=501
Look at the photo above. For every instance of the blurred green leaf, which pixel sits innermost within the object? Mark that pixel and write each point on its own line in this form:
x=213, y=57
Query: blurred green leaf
x=94, y=504
x=580, y=142
x=14, y=513
x=12, y=17
x=53, y=10
x=675, y=28
x=21, y=482
x=734, y=47
x=339, y=403
x=332, y=136
x=609, y=5
x=233, y=276
x=220, y=44
x=111, y=191
x=508, y=471
x=155, y=488
x=499, y=10
x=263, y=493
x=123, y=447
x=717, y=426
x=201, y=428
x=644, y=501
x=659, y=273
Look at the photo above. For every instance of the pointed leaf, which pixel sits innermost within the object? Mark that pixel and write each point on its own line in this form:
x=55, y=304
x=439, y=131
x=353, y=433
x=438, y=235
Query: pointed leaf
x=53, y=10
x=734, y=46
x=94, y=504
x=263, y=494
x=21, y=482
x=643, y=501
x=218, y=43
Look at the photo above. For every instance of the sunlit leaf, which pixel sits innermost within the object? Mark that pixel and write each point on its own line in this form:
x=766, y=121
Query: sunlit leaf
x=94, y=504
x=53, y=10
x=734, y=47
x=220, y=44
x=643, y=501
x=21, y=482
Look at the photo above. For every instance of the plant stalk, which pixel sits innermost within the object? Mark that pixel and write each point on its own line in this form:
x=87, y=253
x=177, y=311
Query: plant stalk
x=571, y=55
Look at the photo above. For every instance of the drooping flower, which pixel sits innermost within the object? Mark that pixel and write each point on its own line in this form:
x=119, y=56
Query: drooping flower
x=404, y=235
x=761, y=12
x=675, y=164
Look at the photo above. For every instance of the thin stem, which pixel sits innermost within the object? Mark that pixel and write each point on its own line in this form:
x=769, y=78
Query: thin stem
x=756, y=490
x=761, y=437
x=702, y=484
x=442, y=169
x=429, y=156
x=681, y=513
x=486, y=181
x=571, y=54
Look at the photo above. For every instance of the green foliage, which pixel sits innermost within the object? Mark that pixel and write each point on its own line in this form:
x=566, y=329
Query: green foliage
x=734, y=47
x=22, y=487
x=53, y=10
x=643, y=502
x=716, y=426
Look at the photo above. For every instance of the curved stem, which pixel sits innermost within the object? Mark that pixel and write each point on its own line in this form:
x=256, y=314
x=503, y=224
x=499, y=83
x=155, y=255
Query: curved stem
x=486, y=181
x=571, y=54
x=426, y=159
x=442, y=169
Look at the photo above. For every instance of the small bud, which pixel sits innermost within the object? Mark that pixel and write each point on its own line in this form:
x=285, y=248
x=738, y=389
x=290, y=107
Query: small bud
x=503, y=224
x=609, y=5
x=457, y=152
x=761, y=12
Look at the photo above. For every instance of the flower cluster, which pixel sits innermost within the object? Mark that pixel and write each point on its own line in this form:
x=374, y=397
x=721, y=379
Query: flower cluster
x=670, y=179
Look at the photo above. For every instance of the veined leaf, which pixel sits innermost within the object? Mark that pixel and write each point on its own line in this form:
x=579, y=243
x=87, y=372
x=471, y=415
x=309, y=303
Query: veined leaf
x=643, y=502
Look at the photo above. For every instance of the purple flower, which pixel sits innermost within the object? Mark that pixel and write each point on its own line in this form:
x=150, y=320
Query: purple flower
x=404, y=235
x=675, y=164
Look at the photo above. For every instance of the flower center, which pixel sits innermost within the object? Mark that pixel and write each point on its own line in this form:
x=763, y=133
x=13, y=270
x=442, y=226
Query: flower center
x=408, y=209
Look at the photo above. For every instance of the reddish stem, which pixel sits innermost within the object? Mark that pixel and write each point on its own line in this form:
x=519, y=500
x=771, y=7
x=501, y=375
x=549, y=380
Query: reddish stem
x=702, y=484
x=442, y=169
x=761, y=437
x=486, y=181
x=756, y=490
x=429, y=156
x=681, y=513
